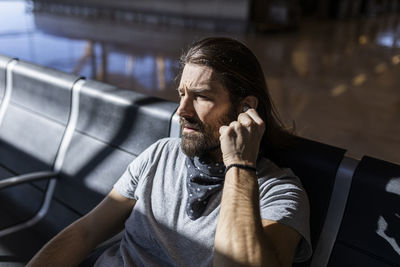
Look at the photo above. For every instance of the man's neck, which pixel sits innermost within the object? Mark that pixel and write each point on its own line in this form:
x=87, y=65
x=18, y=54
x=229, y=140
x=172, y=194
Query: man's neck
x=213, y=156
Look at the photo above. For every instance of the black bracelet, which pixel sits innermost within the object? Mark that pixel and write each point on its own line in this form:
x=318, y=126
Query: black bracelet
x=240, y=166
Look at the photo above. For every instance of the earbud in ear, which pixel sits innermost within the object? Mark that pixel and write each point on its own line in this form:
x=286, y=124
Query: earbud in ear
x=246, y=107
x=249, y=102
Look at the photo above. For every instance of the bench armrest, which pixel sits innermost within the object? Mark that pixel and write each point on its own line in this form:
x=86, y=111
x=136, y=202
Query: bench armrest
x=26, y=178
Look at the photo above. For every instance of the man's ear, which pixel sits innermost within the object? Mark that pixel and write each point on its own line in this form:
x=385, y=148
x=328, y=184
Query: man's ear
x=249, y=101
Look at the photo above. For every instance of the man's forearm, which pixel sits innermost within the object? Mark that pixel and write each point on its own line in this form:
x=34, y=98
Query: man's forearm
x=73, y=244
x=68, y=248
x=239, y=238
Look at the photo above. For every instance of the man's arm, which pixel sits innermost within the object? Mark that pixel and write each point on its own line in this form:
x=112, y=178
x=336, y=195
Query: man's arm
x=72, y=245
x=242, y=238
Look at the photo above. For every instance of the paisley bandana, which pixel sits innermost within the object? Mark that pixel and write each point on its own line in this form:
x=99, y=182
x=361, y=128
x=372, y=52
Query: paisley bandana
x=203, y=181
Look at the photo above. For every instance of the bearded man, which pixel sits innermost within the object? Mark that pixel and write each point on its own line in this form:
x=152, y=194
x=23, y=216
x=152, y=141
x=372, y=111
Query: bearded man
x=209, y=197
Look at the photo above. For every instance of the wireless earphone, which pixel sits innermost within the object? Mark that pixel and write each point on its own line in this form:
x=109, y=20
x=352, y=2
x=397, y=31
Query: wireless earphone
x=246, y=107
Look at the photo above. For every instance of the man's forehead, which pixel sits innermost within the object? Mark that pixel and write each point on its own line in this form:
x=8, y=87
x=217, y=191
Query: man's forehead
x=199, y=77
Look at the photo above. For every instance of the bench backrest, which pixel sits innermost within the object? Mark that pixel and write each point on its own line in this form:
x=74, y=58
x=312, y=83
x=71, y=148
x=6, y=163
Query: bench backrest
x=316, y=165
x=36, y=118
x=4, y=60
x=114, y=126
x=32, y=129
x=369, y=234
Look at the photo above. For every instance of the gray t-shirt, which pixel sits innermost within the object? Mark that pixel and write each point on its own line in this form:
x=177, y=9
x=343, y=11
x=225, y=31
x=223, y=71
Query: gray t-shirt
x=159, y=232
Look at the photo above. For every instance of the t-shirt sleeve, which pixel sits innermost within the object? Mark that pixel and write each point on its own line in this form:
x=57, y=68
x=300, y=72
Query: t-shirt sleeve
x=127, y=183
x=283, y=199
x=136, y=170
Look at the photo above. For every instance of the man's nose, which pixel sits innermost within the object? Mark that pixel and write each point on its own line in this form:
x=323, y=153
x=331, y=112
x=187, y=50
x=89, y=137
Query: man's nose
x=185, y=108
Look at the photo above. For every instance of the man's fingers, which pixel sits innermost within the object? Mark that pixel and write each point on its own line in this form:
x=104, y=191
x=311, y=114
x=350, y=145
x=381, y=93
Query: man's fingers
x=234, y=125
x=251, y=118
x=252, y=113
x=245, y=120
x=223, y=129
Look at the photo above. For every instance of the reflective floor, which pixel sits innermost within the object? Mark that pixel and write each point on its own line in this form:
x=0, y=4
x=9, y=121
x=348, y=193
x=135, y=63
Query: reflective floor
x=338, y=80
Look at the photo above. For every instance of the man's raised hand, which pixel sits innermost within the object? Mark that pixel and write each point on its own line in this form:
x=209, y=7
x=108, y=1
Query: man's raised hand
x=240, y=140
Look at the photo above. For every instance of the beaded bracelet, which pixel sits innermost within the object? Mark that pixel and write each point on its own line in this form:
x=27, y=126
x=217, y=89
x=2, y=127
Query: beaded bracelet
x=240, y=166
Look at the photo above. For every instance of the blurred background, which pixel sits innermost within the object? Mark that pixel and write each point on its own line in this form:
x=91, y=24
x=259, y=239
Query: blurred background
x=332, y=66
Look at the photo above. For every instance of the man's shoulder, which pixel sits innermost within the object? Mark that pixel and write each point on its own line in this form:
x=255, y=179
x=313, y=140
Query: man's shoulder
x=268, y=172
x=267, y=168
x=163, y=150
x=168, y=143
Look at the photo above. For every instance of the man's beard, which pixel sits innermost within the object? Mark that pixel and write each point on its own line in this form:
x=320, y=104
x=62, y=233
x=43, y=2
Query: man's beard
x=206, y=138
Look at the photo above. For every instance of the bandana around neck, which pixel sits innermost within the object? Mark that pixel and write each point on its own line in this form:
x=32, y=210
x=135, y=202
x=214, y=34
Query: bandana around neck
x=203, y=181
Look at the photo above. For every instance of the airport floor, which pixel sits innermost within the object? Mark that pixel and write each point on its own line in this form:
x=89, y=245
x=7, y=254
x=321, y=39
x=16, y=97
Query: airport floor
x=337, y=81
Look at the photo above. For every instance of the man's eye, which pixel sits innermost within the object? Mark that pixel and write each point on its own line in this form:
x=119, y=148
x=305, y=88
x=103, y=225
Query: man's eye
x=203, y=97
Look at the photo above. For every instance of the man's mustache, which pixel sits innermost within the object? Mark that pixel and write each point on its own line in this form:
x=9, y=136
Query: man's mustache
x=191, y=123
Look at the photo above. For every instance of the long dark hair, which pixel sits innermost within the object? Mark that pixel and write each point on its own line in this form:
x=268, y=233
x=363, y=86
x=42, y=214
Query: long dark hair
x=241, y=74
